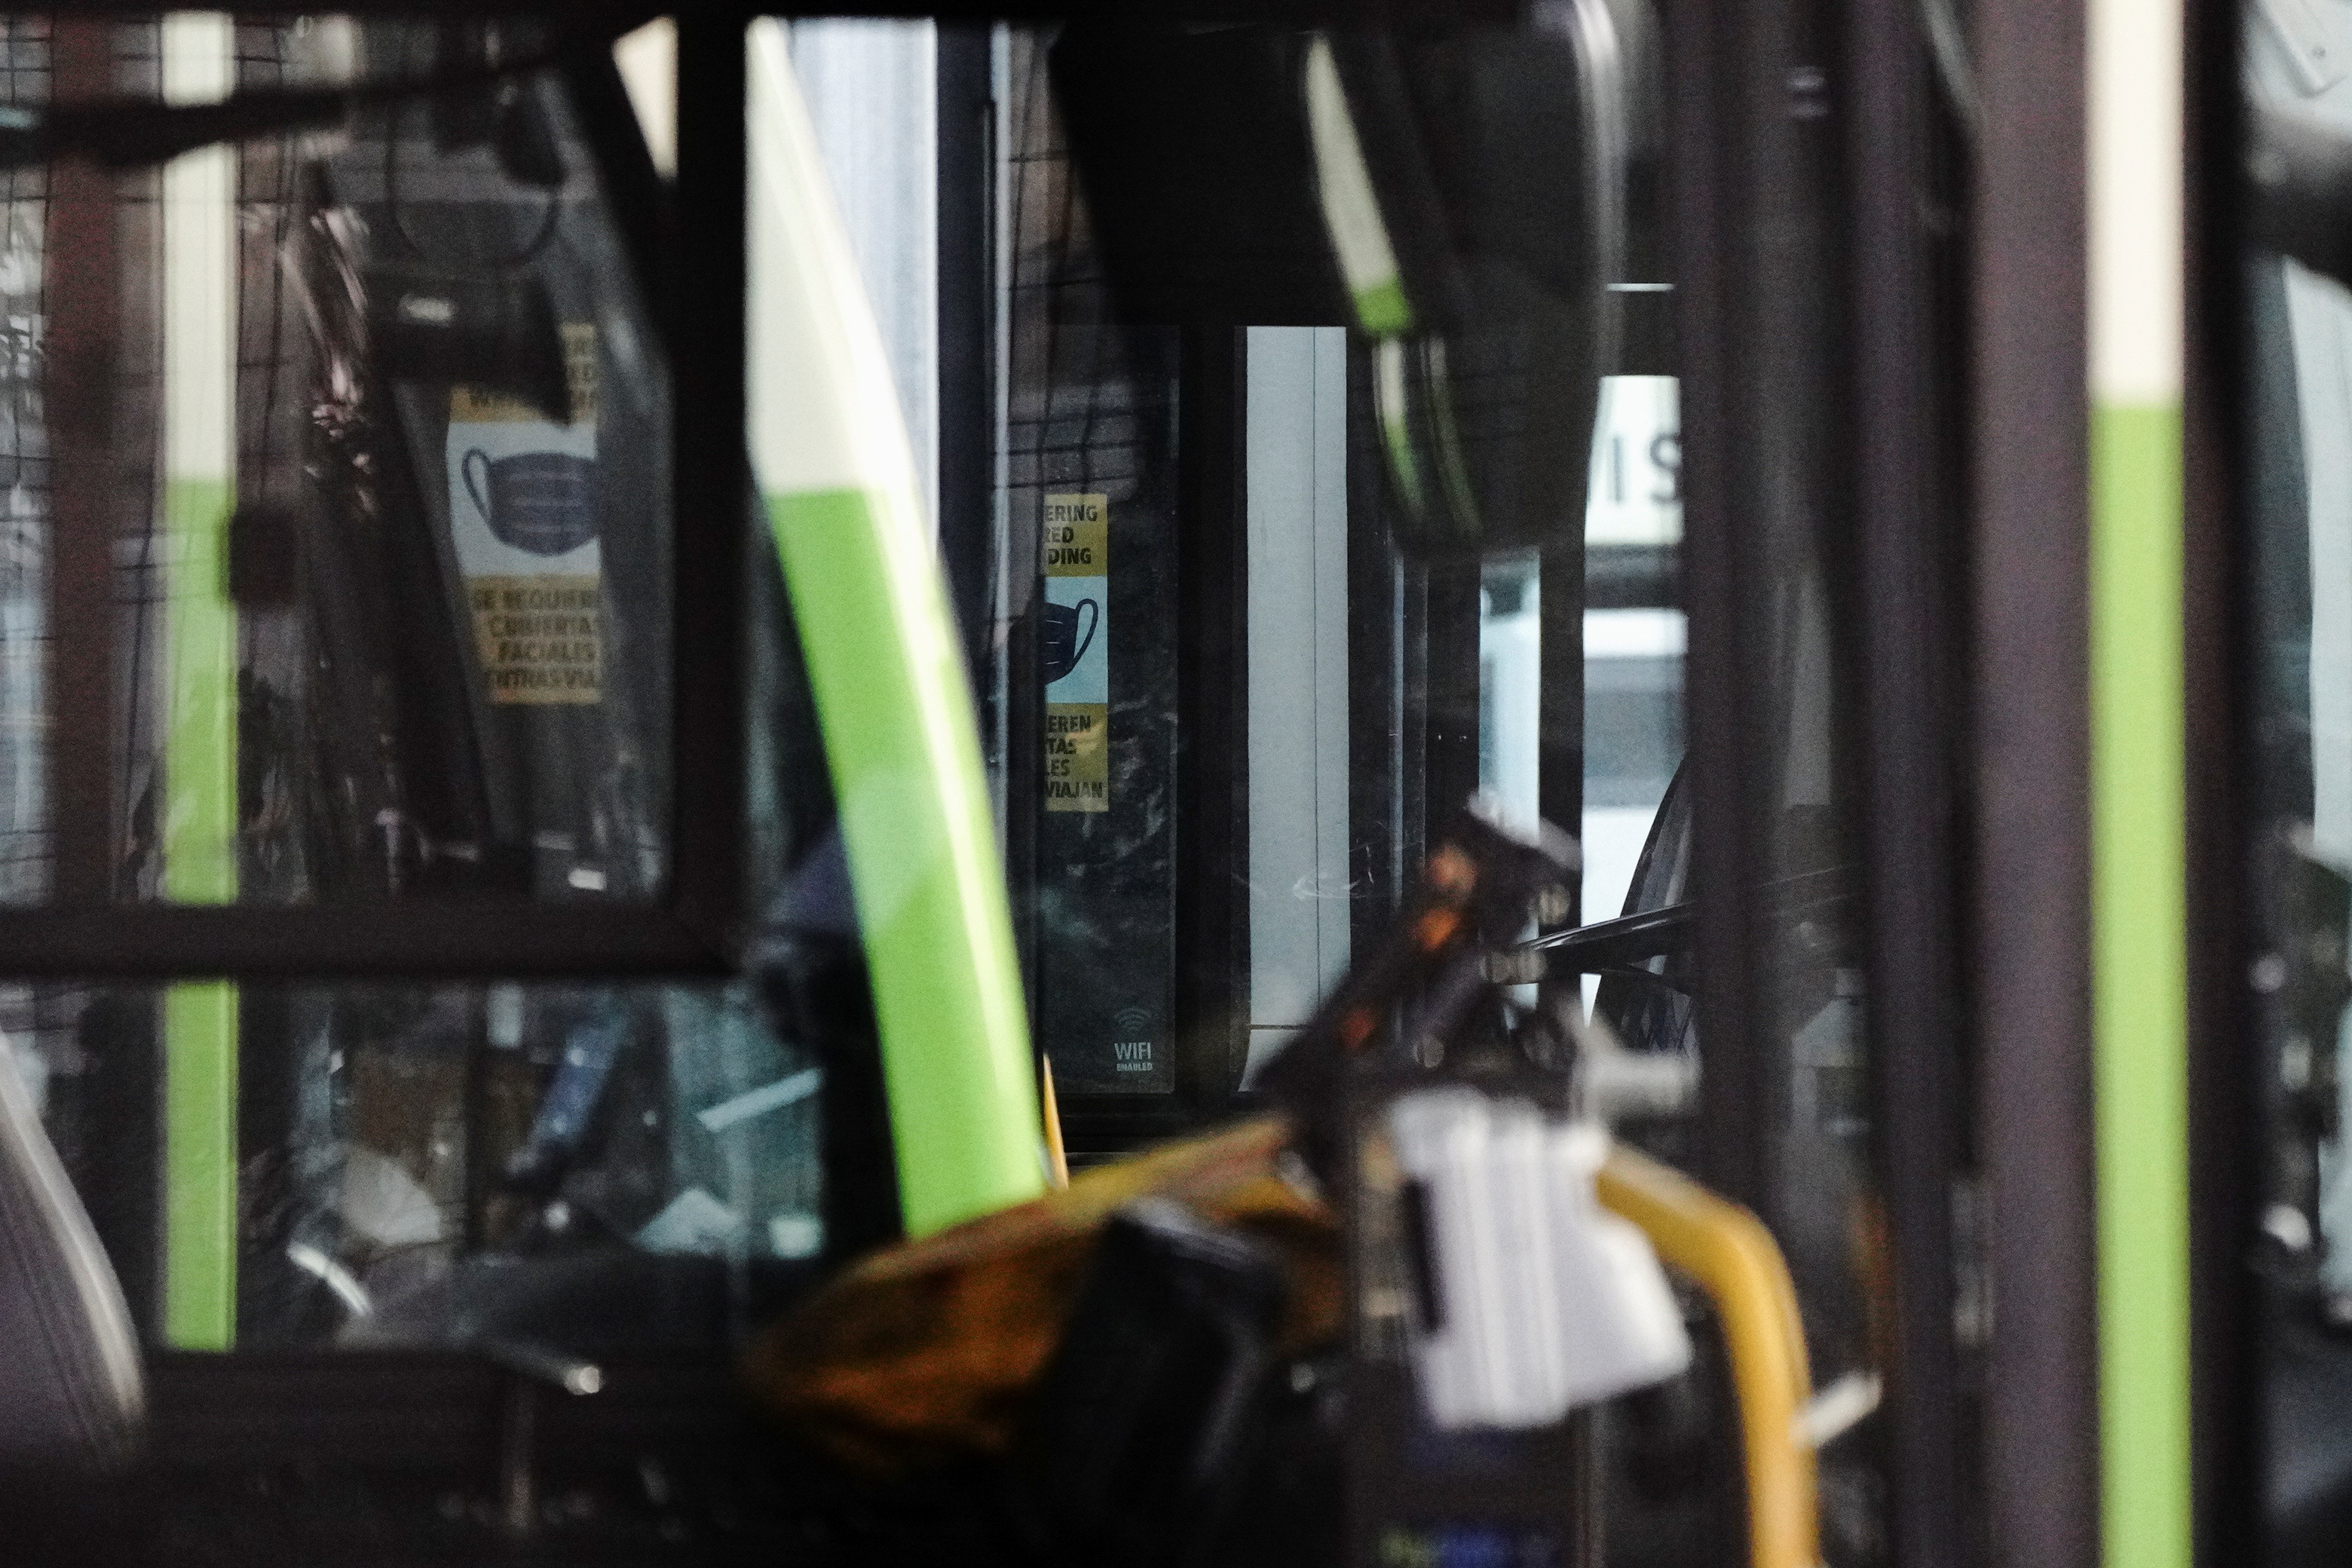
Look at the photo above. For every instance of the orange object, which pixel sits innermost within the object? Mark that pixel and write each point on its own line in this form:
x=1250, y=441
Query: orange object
x=929, y=1350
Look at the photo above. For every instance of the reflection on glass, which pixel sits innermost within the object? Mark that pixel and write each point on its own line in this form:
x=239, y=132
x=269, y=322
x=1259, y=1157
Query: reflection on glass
x=1634, y=634
x=2302, y=343
x=445, y=1165
x=364, y=439
x=1085, y=725
x=2296, y=498
x=1510, y=688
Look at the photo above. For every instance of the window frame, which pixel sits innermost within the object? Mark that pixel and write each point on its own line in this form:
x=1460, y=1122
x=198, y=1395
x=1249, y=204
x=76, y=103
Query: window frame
x=695, y=927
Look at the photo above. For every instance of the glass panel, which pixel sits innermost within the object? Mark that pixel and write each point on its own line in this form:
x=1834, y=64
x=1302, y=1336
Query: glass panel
x=573, y=1168
x=1090, y=465
x=1295, y=443
x=1633, y=631
x=2295, y=502
x=364, y=437
x=371, y=462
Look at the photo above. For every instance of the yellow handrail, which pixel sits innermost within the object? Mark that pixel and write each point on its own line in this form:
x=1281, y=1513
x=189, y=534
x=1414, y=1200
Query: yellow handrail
x=1734, y=1260
x=1057, y=1154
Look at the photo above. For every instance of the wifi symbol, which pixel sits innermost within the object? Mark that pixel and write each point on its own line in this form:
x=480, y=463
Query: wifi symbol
x=1132, y=1021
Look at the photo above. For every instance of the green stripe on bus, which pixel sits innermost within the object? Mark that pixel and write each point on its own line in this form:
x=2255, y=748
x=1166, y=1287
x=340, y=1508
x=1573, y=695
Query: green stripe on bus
x=200, y=1165
x=1381, y=311
x=901, y=738
x=2139, y=998
x=199, y=832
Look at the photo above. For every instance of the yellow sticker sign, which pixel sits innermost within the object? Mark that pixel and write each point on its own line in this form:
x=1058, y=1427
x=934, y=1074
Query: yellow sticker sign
x=523, y=519
x=539, y=637
x=483, y=406
x=1076, y=536
x=1077, y=757
x=1075, y=649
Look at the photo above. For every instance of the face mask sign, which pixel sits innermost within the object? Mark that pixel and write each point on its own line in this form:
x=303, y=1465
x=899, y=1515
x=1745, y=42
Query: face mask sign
x=522, y=518
x=1075, y=652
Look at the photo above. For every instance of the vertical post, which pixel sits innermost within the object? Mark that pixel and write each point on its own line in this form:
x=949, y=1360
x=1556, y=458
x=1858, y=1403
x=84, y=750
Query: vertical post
x=842, y=499
x=2138, y=882
x=966, y=284
x=2032, y=910
x=2222, y=395
x=1727, y=131
x=708, y=483
x=199, y=807
x=1901, y=431
x=1213, y=775
x=1559, y=768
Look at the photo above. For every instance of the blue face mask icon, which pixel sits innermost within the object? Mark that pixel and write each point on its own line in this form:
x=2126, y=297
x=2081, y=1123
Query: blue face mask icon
x=1065, y=643
x=544, y=502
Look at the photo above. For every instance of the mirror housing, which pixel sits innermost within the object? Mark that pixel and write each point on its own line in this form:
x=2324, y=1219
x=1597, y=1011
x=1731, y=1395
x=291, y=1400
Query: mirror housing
x=1459, y=201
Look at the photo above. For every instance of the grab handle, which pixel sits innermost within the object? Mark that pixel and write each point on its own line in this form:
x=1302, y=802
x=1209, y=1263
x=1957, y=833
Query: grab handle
x=1729, y=1253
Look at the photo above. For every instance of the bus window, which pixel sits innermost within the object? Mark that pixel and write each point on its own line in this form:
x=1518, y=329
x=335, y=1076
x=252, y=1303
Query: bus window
x=2296, y=685
x=360, y=433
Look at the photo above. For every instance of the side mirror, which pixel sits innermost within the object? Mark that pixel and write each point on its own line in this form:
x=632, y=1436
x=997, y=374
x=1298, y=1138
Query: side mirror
x=1472, y=188
x=1457, y=198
